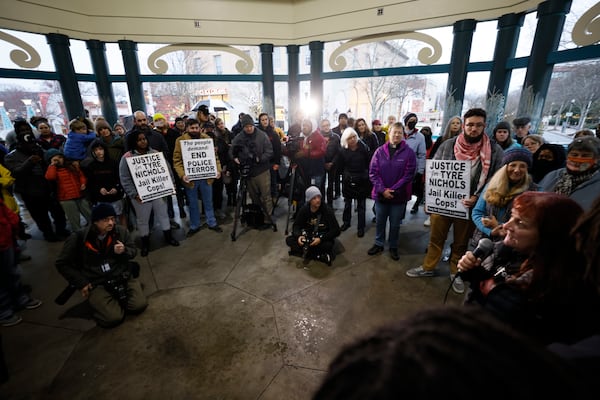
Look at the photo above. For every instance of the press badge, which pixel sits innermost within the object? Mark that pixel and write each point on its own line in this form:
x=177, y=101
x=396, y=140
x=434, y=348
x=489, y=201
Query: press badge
x=105, y=267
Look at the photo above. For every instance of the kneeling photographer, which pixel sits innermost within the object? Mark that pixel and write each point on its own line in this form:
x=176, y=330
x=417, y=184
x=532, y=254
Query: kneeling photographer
x=95, y=260
x=315, y=229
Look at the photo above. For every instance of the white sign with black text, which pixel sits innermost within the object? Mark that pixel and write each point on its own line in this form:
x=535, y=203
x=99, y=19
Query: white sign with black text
x=150, y=173
x=199, y=161
x=447, y=182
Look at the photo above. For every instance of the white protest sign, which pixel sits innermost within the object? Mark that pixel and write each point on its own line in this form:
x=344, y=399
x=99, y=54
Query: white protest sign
x=150, y=173
x=199, y=161
x=447, y=183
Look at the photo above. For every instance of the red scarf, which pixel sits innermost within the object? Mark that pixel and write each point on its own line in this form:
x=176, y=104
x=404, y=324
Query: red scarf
x=481, y=150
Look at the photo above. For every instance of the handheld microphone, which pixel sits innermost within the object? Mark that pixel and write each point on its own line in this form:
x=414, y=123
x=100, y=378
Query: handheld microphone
x=484, y=248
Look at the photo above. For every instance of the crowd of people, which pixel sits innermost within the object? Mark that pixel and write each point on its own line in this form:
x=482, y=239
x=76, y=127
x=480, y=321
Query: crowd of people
x=81, y=187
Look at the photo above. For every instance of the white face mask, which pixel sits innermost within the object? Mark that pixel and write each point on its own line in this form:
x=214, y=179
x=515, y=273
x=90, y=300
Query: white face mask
x=159, y=124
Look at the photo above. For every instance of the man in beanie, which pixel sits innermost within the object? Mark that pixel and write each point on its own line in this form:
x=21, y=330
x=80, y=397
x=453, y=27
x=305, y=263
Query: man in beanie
x=416, y=141
x=315, y=229
x=485, y=158
x=252, y=151
x=95, y=260
x=27, y=165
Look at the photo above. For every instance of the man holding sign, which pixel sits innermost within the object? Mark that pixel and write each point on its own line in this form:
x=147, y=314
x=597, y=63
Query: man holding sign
x=197, y=164
x=454, y=189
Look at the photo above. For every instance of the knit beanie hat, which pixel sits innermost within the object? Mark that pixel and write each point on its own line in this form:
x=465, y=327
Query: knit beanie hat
x=502, y=125
x=409, y=116
x=102, y=124
x=51, y=153
x=517, y=154
x=101, y=211
x=247, y=120
x=311, y=192
x=158, y=116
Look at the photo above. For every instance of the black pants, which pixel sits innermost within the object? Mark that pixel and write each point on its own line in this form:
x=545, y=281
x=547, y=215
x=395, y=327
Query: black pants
x=323, y=247
x=39, y=207
x=333, y=185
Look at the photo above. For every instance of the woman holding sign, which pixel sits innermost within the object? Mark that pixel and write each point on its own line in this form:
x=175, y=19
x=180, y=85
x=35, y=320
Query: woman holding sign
x=139, y=144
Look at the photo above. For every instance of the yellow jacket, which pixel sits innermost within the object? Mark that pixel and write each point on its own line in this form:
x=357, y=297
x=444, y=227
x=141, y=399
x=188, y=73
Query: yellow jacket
x=6, y=182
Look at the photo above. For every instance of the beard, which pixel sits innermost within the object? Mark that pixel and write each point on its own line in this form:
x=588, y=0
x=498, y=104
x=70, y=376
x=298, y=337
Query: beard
x=471, y=139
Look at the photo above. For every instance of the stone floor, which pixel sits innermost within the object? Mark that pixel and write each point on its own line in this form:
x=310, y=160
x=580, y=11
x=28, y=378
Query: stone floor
x=226, y=320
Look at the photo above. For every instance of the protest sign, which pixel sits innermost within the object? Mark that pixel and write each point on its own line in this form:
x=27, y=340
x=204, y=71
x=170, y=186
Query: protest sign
x=150, y=173
x=199, y=161
x=447, y=183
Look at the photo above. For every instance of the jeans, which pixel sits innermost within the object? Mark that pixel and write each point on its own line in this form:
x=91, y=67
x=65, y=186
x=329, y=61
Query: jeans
x=207, y=201
x=395, y=213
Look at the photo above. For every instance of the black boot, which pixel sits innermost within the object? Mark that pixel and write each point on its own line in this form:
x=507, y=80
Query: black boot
x=145, y=245
x=169, y=238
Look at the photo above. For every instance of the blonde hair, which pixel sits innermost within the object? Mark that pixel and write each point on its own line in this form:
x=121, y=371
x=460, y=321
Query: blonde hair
x=536, y=138
x=501, y=191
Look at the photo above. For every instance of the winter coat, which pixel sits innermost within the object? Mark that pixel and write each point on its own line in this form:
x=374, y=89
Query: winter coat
x=29, y=176
x=584, y=194
x=68, y=181
x=396, y=172
x=354, y=167
x=76, y=145
x=178, y=158
x=254, y=148
x=83, y=255
x=9, y=222
x=102, y=174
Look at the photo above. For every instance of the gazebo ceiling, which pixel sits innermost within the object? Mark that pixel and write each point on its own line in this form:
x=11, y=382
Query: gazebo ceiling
x=243, y=22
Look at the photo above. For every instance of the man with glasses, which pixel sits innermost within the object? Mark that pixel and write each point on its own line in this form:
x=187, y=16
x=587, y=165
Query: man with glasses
x=486, y=157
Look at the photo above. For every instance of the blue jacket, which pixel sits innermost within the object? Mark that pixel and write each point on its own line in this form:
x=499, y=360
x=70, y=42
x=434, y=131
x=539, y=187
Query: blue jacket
x=394, y=173
x=76, y=145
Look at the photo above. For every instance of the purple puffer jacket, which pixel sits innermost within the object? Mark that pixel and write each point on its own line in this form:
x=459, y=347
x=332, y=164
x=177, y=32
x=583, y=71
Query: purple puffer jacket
x=394, y=173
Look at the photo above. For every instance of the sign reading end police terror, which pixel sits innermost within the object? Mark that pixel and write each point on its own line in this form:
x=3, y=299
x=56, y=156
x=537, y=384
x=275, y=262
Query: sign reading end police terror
x=447, y=183
x=199, y=160
x=150, y=173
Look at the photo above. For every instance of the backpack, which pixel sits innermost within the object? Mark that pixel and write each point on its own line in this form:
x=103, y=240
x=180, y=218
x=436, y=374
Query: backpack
x=252, y=216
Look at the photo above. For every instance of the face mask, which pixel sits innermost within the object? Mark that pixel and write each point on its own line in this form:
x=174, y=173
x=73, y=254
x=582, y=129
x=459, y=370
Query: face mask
x=411, y=125
x=159, y=124
x=580, y=163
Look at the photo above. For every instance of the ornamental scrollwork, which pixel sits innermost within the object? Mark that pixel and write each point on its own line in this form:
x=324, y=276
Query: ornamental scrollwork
x=159, y=66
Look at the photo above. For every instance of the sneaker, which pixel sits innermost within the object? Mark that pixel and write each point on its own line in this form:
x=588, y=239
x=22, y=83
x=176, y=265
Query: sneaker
x=32, y=304
x=374, y=250
x=427, y=222
x=11, y=321
x=457, y=284
x=419, y=272
x=216, y=228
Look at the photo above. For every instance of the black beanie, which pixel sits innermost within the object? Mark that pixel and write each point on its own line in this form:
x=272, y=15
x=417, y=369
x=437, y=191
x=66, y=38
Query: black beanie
x=101, y=211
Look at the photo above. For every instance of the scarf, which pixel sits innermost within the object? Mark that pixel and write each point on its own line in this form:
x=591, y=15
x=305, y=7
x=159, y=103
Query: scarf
x=480, y=151
x=568, y=181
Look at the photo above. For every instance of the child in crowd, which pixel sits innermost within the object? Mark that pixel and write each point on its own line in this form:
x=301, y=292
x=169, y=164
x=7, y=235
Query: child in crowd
x=70, y=184
x=78, y=140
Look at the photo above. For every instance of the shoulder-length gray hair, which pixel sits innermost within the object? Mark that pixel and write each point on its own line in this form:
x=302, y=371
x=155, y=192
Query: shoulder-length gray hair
x=348, y=133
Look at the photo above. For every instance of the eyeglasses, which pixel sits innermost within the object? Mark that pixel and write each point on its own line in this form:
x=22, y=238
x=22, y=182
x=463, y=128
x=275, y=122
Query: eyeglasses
x=472, y=125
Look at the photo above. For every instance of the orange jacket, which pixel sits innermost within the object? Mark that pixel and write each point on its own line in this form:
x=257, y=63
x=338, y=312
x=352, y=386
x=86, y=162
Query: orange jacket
x=69, y=181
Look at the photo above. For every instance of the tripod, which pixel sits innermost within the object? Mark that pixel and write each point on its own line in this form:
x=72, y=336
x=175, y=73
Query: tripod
x=241, y=205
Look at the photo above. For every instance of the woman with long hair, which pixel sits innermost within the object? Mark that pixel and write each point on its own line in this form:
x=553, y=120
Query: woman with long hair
x=494, y=205
x=535, y=280
x=453, y=128
x=365, y=134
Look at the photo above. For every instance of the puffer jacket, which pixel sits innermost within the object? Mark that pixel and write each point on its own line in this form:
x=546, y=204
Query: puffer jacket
x=68, y=181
